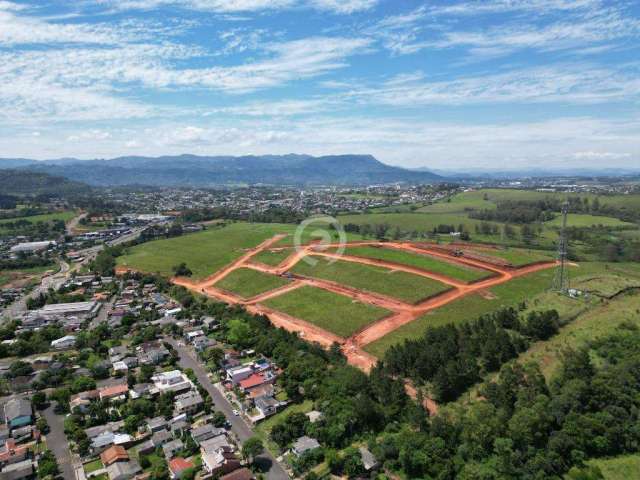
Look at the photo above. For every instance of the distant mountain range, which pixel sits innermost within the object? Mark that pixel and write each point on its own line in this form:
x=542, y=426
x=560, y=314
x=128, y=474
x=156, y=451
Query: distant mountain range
x=20, y=182
x=202, y=171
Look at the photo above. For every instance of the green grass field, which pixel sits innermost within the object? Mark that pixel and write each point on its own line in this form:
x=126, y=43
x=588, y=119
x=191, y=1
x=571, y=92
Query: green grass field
x=425, y=262
x=401, y=285
x=532, y=289
x=408, y=222
x=273, y=257
x=517, y=257
x=578, y=220
x=594, y=323
x=203, y=252
x=625, y=467
x=248, y=283
x=467, y=308
x=336, y=313
x=47, y=217
x=263, y=429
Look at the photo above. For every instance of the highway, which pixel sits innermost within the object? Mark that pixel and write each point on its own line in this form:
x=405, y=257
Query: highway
x=238, y=425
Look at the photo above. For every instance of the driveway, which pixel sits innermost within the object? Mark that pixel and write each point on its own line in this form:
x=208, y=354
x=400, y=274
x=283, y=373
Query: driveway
x=238, y=425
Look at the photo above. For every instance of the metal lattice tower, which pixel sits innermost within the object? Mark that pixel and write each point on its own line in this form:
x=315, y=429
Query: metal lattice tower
x=561, y=279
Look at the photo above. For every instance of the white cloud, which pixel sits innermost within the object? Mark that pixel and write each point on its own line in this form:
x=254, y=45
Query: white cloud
x=238, y=6
x=562, y=83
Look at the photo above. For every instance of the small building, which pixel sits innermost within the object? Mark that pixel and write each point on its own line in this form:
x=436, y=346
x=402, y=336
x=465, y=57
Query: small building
x=205, y=432
x=32, y=247
x=237, y=374
x=267, y=405
x=304, y=444
x=171, y=448
x=172, y=381
x=68, y=341
x=114, y=392
x=188, y=403
x=157, y=424
x=314, y=416
x=177, y=467
x=18, y=413
x=115, y=453
x=160, y=437
x=18, y=470
x=123, y=470
x=368, y=459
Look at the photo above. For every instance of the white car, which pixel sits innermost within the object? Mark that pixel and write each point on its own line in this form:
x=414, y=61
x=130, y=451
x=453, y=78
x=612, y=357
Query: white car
x=236, y=413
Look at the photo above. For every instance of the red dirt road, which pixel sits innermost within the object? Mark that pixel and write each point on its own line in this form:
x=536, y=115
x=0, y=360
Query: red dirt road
x=403, y=313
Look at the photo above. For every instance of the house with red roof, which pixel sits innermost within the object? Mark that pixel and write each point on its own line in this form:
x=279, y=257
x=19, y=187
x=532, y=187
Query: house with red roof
x=257, y=380
x=114, y=392
x=177, y=467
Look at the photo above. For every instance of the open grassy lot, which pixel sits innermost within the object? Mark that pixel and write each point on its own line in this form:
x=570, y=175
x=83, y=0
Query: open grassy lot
x=425, y=262
x=532, y=289
x=518, y=257
x=408, y=222
x=581, y=220
x=248, y=283
x=401, y=285
x=624, y=467
x=48, y=217
x=336, y=313
x=93, y=466
x=467, y=308
x=21, y=276
x=597, y=322
x=273, y=257
x=460, y=203
x=203, y=252
x=263, y=429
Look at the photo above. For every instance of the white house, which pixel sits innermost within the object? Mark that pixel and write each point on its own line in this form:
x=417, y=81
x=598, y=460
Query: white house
x=63, y=343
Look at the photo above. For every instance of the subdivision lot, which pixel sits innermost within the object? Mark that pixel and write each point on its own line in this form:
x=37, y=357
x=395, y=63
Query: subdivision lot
x=517, y=257
x=203, y=252
x=248, y=283
x=581, y=220
x=453, y=270
x=404, y=286
x=273, y=257
x=333, y=312
x=469, y=307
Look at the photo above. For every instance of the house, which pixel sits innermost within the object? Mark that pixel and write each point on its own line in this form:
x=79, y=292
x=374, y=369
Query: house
x=145, y=448
x=314, y=416
x=151, y=353
x=22, y=434
x=113, y=454
x=240, y=474
x=18, y=470
x=191, y=336
x=220, y=462
x=172, y=381
x=267, y=405
x=114, y=392
x=10, y=453
x=160, y=438
x=202, y=343
x=82, y=400
x=177, y=467
x=18, y=413
x=205, y=432
x=236, y=374
x=304, y=444
x=68, y=341
x=123, y=470
x=106, y=439
x=171, y=448
x=368, y=459
x=117, y=353
x=188, y=403
x=256, y=380
x=215, y=444
x=157, y=424
x=179, y=426
x=142, y=390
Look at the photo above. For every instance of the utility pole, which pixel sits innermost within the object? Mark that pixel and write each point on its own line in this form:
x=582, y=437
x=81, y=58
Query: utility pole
x=561, y=279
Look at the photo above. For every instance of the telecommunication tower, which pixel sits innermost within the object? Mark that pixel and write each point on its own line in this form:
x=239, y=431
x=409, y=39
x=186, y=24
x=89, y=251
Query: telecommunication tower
x=561, y=279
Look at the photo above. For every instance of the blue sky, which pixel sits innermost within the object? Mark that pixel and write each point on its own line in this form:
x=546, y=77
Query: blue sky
x=442, y=84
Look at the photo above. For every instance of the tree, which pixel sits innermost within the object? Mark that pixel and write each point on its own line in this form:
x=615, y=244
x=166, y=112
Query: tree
x=47, y=465
x=182, y=270
x=252, y=448
x=219, y=419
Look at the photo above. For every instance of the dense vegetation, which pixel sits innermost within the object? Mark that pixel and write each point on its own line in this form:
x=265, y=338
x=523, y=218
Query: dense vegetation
x=454, y=357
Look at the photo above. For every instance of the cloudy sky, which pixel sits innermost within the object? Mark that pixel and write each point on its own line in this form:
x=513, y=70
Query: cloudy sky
x=441, y=84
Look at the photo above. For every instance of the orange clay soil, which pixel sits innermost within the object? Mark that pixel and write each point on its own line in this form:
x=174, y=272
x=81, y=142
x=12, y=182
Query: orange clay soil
x=402, y=313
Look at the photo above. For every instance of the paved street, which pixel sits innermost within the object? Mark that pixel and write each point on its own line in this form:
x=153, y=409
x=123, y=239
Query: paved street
x=57, y=443
x=238, y=425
